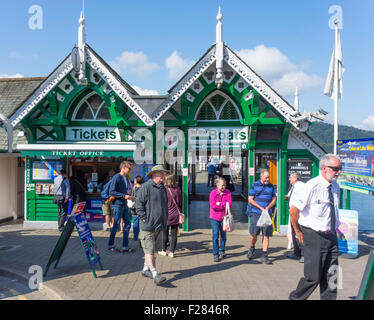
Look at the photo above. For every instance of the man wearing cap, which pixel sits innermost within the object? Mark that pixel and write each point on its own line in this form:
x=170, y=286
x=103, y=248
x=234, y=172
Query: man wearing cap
x=61, y=197
x=152, y=209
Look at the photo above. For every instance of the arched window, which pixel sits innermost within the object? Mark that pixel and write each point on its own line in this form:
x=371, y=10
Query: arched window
x=92, y=108
x=217, y=106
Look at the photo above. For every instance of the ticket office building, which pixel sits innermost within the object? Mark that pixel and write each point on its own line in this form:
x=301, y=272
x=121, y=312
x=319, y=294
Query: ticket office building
x=220, y=106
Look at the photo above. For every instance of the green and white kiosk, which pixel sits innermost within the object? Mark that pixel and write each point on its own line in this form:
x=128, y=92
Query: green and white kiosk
x=84, y=116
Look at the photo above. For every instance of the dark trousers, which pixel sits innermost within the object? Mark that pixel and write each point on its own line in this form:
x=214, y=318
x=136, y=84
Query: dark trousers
x=165, y=237
x=211, y=179
x=62, y=212
x=320, y=266
x=297, y=247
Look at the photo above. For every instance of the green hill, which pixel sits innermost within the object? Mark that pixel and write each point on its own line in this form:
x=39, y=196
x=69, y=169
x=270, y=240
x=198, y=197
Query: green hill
x=323, y=134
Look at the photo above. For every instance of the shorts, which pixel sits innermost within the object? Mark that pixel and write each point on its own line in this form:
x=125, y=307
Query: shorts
x=148, y=240
x=107, y=209
x=255, y=231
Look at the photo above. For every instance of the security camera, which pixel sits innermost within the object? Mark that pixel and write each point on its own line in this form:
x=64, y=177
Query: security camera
x=318, y=116
x=301, y=118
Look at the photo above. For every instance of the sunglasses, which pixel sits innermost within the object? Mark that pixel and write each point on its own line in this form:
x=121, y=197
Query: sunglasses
x=336, y=169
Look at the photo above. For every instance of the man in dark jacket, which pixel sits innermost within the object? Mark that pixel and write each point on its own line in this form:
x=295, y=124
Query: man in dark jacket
x=120, y=188
x=152, y=209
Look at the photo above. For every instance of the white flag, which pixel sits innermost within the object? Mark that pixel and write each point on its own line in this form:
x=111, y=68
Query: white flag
x=329, y=86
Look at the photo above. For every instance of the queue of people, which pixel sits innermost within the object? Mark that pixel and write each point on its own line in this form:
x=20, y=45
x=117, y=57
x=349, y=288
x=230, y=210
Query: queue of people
x=156, y=207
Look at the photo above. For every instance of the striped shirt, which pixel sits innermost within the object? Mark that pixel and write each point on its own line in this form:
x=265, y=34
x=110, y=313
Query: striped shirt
x=262, y=194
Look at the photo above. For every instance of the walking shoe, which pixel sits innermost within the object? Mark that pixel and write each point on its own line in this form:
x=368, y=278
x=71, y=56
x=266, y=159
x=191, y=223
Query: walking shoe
x=159, y=279
x=265, y=259
x=147, y=273
x=301, y=259
x=171, y=254
x=222, y=255
x=216, y=259
x=251, y=253
x=162, y=253
x=293, y=256
x=113, y=250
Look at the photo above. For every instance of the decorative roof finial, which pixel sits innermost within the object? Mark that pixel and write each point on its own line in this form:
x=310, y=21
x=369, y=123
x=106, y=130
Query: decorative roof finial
x=296, y=104
x=81, y=47
x=219, y=50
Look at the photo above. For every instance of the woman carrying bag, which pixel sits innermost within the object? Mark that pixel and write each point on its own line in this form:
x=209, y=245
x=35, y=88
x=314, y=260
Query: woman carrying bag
x=218, y=199
x=174, y=215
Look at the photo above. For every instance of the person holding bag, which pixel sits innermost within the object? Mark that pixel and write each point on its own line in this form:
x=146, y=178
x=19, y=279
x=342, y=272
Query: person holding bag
x=138, y=181
x=218, y=199
x=174, y=215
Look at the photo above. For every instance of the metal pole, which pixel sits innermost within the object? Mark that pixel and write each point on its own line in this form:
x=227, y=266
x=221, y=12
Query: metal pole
x=336, y=87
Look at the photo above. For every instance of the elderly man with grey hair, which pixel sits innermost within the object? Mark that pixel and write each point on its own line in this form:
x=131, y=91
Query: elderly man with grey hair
x=296, y=187
x=315, y=217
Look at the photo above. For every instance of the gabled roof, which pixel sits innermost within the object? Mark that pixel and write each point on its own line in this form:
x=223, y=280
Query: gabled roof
x=13, y=91
x=121, y=87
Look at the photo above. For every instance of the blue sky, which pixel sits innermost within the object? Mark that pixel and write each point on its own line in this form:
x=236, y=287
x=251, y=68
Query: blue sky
x=152, y=43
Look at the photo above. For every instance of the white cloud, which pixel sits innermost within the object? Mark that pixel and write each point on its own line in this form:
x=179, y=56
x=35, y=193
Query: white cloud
x=17, y=75
x=367, y=124
x=177, y=65
x=15, y=55
x=136, y=63
x=288, y=82
x=145, y=92
x=276, y=68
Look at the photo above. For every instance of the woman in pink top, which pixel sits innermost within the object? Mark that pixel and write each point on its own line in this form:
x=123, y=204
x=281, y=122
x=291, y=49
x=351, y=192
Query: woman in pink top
x=217, y=200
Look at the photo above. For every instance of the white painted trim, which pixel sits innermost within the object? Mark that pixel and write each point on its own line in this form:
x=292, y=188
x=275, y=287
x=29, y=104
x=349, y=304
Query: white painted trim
x=117, y=87
x=307, y=143
x=186, y=83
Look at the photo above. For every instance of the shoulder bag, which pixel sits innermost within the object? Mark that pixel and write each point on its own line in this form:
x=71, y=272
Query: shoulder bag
x=228, y=219
x=181, y=215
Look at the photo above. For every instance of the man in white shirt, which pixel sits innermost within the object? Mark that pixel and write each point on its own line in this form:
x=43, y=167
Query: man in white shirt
x=315, y=217
x=296, y=188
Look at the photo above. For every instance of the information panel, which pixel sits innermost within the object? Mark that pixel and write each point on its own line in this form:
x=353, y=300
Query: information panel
x=45, y=170
x=301, y=166
x=357, y=163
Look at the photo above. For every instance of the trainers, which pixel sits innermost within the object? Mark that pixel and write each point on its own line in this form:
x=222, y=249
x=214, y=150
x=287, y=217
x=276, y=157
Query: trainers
x=114, y=250
x=222, y=255
x=265, y=259
x=251, y=253
x=216, y=259
x=171, y=254
x=147, y=273
x=301, y=259
x=159, y=279
x=162, y=253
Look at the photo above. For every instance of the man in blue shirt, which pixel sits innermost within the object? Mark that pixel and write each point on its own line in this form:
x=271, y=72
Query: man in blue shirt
x=211, y=173
x=261, y=197
x=61, y=197
x=120, y=188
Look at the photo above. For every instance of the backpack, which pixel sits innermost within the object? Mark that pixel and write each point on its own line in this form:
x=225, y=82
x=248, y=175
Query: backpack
x=105, y=192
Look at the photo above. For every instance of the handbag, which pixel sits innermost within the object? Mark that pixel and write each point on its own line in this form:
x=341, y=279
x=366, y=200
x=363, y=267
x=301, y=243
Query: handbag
x=182, y=218
x=131, y=203
x=228, y=220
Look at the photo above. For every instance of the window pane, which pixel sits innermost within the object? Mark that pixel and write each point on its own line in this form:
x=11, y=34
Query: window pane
x=95, y=102
x=229, y=112
x=206, y=113
x=217, y=101
x=84, y=112
x=103, y=113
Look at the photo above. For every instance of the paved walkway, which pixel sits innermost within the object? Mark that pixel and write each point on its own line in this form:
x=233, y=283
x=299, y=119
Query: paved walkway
x=192, y=274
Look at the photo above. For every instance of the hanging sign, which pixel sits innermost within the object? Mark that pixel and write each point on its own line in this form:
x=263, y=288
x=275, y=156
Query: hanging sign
x=302, y=167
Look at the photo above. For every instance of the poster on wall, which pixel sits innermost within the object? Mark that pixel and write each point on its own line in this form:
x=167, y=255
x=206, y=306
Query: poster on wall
x=302, y=166
x=347, y=232
x=45, y=170
x=142, y=170
x=357, y=157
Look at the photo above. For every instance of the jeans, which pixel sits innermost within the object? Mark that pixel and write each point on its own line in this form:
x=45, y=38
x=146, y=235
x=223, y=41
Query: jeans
x=216, y=231
x=135, y=227
x=210, y=179
x=120, y=212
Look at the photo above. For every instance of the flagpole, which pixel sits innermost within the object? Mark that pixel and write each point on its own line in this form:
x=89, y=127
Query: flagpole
x=336, y=88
